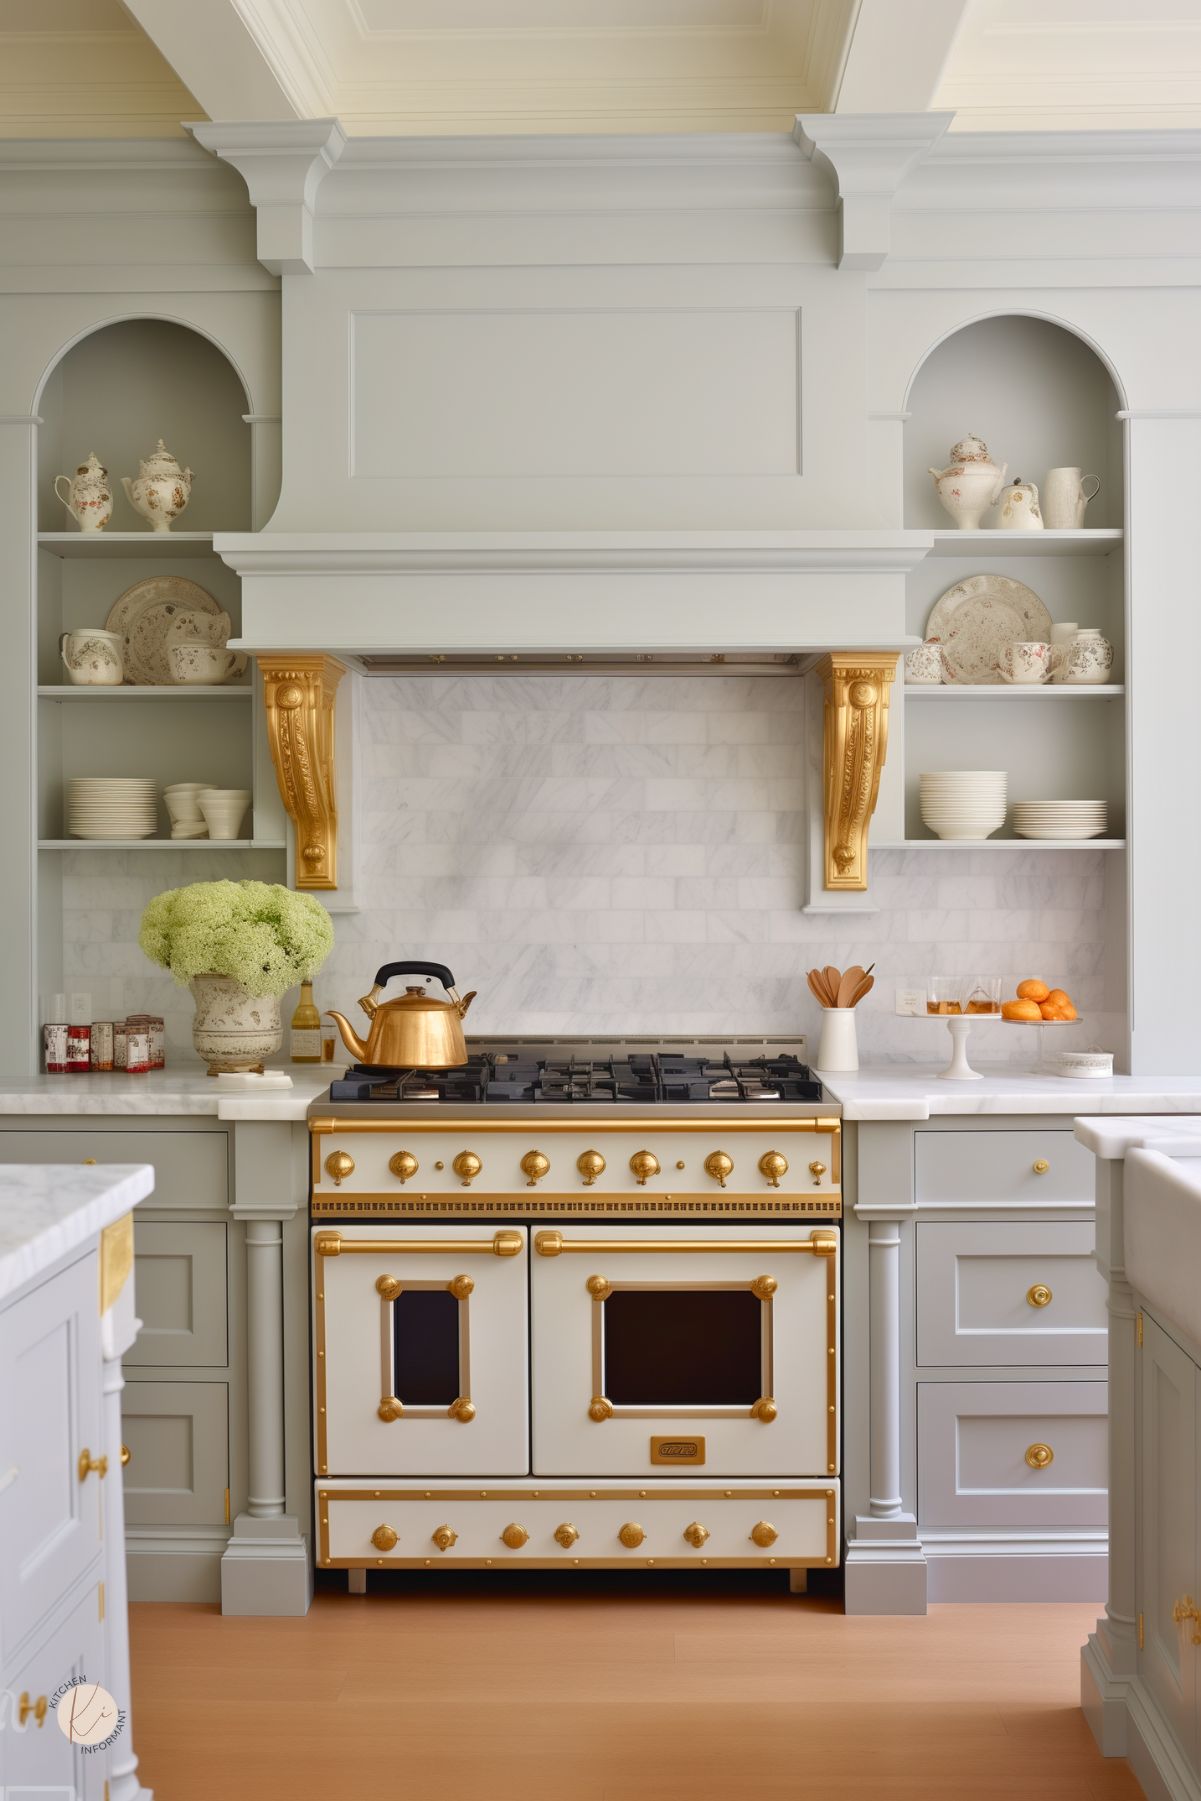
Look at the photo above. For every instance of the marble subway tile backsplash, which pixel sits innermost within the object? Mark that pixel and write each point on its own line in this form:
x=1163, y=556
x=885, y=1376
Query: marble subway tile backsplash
x=600, y=854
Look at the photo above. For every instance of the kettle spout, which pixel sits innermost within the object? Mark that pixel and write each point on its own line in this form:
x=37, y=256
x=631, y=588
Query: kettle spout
x=466, y=1001
x=350, y=1037
x=125, y=483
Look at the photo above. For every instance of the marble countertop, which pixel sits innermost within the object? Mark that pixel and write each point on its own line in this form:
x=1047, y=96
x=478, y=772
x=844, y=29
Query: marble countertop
x=1112, y=1137
x=186, y=1090
x=904, y=1091
x=48, y=1209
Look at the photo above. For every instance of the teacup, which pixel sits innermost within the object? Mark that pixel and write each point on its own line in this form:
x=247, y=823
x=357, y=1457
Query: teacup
x=923, y=666
x=1025, y=663
x=194, y=662
x=93, y=657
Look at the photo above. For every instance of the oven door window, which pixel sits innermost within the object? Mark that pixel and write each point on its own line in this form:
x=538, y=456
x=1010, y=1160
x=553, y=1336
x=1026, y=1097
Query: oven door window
x=702, y=1347
x=426, y=1348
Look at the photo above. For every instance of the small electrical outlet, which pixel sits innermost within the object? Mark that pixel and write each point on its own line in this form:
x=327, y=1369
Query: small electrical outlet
x=911, y=1000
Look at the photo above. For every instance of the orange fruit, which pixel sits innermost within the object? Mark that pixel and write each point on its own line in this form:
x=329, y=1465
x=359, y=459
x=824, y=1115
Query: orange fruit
x=1021, y=1010
x=1059, y=997
x=1033, y=990
x=1060, y=1010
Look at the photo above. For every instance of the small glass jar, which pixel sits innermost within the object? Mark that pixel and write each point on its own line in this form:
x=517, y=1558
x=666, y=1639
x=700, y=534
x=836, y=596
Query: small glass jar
x=158, y=1042
x=945, y=994
x=54, y=1046
x=329, y=1041
x=102, y=1044
x=120, y=1044
x=79, y=1049
x=137, y=1052
x=984, y=997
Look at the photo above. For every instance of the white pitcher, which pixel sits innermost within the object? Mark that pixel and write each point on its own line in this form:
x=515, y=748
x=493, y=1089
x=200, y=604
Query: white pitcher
x=88, y=497
x=1065, y=496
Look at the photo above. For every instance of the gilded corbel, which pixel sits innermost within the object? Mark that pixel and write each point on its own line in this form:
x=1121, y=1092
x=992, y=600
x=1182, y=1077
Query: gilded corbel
x=298, y=694
x=857, y=687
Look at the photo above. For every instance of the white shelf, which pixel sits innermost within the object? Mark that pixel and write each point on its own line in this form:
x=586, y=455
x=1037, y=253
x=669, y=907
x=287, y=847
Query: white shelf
x=1001, y=844
x=1014, y=691
x=160, y=844
x=224, y=691
x=1086, y=543
x=127, y=544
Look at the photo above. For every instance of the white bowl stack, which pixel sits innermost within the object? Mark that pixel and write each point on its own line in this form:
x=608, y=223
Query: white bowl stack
x=111, y=806
x=183, y=806
x=964, y=803
x=224, y=809
x=1060, y=818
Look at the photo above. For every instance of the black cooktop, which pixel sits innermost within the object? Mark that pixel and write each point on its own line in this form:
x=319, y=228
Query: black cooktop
x=496, y=1078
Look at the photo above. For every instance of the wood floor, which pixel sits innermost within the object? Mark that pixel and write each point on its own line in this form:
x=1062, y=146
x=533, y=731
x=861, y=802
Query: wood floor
x=515, y=1691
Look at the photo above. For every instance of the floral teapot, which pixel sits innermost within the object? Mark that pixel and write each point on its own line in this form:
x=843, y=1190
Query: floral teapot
x=161, y=489
x=1020, y=511
x=970, y=483
x=88, y=497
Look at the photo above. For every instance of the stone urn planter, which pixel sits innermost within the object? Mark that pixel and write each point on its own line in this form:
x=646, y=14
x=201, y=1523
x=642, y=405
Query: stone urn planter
x=233, y=1030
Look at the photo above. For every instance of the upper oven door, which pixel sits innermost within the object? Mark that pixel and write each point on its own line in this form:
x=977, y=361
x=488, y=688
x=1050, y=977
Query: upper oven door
x=419, y=1348
x=656, y=1350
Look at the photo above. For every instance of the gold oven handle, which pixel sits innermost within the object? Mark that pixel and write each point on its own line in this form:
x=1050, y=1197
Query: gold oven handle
x=822, y=1243
x=501, y=1244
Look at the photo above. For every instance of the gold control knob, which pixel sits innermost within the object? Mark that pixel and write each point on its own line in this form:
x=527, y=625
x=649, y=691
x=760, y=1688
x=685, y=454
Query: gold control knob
x=765, y=1409
x=763, y=1534
x=88, y=1464
x=534, y=1166
x=719, y=1165
x=126, y=1456
x=1039, y=1456
x=1040, y=1295
x=817, y=1170
x=773, y=1165
x=1041, y=1166
x=444, y=1537
x=644, y=1164
x=383, y=1538
x=514, y=1536
x=600, y=1408
x=696, y=1534
x=590, y=1165
x=467, y=1167
x=403, y=1165
x=631, y=1535
x=566, y=1534
x=339, y=1165
x=462, y=1410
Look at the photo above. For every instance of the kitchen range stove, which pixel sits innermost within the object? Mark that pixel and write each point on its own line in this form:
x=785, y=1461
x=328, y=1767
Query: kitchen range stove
x=576, y=1305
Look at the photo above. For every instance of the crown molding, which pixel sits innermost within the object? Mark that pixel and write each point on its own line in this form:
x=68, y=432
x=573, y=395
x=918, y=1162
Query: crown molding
x=283, y=163
x=869, y=155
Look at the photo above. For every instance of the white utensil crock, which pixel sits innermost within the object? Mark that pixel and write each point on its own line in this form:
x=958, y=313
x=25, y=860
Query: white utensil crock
x=839, y=1047
x=1065, y=497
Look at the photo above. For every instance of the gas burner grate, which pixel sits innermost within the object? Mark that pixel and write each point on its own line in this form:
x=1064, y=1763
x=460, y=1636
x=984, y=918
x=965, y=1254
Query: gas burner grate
x=645, y=1078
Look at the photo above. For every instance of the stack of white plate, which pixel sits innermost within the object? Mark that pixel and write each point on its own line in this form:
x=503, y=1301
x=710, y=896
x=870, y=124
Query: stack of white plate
x=964, y=803
x=110, y=806
x=1060, y=818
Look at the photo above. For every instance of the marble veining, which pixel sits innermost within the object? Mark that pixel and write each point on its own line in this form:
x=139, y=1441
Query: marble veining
x=48, y=1209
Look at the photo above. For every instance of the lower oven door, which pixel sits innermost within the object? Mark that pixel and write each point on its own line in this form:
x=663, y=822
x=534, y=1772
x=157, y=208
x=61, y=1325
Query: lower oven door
x=713, y=1349
x=420, y=1350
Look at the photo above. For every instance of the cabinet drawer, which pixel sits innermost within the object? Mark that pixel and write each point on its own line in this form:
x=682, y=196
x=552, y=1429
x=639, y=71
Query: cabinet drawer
x=178, y=1436
x=190, y=1168
x=995, y=1167
x=982, y=1294
x=973, y=1438
x=39, y=1759
x=181, y=1289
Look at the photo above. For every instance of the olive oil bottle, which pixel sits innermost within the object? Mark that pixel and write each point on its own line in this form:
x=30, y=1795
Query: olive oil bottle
x=306, y=1028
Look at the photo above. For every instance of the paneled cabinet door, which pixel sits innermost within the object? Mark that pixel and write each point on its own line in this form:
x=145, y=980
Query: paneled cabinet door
x=50, y=1406
x=1168, y=1569
x=37, y=1759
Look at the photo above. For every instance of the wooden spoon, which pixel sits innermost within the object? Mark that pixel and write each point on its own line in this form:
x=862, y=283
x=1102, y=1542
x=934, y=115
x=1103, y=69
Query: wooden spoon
x=868, y=982
x=816, y=988
x=832, y=977
x=851, y=979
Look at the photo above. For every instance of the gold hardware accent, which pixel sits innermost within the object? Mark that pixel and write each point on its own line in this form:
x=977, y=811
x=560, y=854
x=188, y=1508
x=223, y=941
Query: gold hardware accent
x=89, y=1162
x=1041, y=1166
x=773, y=1165
x=765, y=1409
x=444, y=1537
x=467, y=1167
x=501, y=1244
x=1039, y=1456
x=644, y=1164
x=403, y=1166
x=324, y=1124
x=126, y=1456
x=87, y=1464
x=389, y=1287
x=384, y=1538
x=1141, y=1634
x=461, y=1287
x=599, y=1287
x=817, y=1171
x=389, y=1409
x=339, y=1165
x=765, y=1287
x=27, y=1705
x=631, y=1535
x=696, y=1534
x=719, y=1165
x=1138, y=1329
x=1040, y=1295
x=600, y=1408
x=590, y=1165
x=462, y=1410
x=678, y=1449
x=514, y=1536
x=566, y=1535
x=1186, y=1609
x=551, y=1243
x=857, y=686
x=298, y=699
x=227, y=1507
x=116, y=1259
x=763, y=1534
x=534, y=1165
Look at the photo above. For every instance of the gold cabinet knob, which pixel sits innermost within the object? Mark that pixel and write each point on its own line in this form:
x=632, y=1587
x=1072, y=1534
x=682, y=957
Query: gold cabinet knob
x=403, y=1166
x=444, y=1537
x=467, y=1167
x=631, y=1535
x=27, y=1705
x=126, y=1456
x=1039, y=1456
x=566, y=1534
x=773, y=1165
x=383, y=1538
x=88, y=1464
x=590, y=1165
x=514, y=1536
x=696, y=1534
x=644, y=1164
x=1041, y=1166
x=534, y=1166
x=462, y=1410
x=765, y=1409
x=1040, y=1295
x=339, y=1165
x=600, y=1408
x=763, y=1534
x=88, y=1161
x=817, y=1170
x=719, y=1165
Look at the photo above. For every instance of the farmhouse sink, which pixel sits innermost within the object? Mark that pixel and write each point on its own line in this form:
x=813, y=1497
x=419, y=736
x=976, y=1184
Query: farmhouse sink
x=1163, y=1230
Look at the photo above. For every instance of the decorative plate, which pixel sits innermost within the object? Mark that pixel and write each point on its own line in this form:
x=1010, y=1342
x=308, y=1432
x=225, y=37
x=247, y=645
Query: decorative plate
x=978, y=618
x=143, y=614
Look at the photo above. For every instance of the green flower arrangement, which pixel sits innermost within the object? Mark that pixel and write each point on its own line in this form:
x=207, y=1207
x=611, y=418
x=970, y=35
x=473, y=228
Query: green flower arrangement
x=260, y=934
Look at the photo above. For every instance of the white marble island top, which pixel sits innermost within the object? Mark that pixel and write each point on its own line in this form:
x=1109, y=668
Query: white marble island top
x=48, y=1209
x=186, y=1090
x=901, y=1091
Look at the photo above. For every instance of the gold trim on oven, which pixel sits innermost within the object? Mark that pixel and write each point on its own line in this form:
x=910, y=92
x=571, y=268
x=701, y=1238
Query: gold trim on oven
x=820, y=1203
x=553, y=1244
x=601, y=1408
x=327, y=1123
x=392, y=1406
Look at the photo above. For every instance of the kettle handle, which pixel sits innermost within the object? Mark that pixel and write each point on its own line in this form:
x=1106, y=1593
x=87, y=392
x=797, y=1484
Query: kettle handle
x=438, y=970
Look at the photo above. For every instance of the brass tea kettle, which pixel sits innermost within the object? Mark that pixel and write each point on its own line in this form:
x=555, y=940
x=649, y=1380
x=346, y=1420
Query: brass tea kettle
x=415, y=1031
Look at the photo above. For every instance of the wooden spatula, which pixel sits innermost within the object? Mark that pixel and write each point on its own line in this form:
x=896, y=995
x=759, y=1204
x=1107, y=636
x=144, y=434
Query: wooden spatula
x=831, y=977
x=851, y=979
x=864, y=987
x=816, y=989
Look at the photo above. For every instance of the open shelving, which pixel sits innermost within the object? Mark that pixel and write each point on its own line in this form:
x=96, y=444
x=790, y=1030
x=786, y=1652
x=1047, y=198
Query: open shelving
x=156, y=546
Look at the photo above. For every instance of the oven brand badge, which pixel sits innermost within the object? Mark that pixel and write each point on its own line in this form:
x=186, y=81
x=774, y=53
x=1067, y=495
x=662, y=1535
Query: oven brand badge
x=677, y=1450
